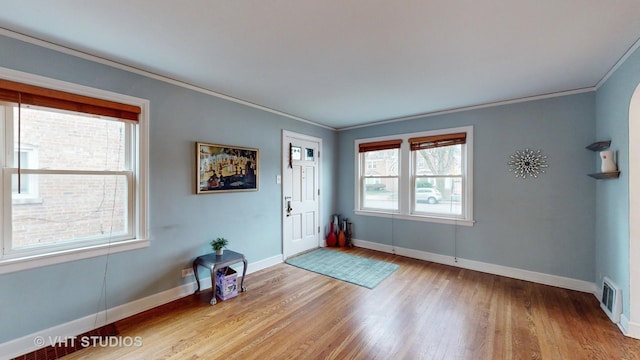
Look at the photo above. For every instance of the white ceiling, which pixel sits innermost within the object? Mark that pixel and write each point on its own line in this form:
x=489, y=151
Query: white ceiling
x=348, y=62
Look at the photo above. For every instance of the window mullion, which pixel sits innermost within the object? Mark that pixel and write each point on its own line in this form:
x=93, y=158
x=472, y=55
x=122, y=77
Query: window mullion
x=380, y=177
x=6, y=156
x=405, y=192
x=467, y=179
x=129, y=154
x=6, y=115
x=436, y=176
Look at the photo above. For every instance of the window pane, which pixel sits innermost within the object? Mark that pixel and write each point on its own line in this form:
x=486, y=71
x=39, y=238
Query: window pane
x=381, y=163
x=438, y=195
x=24, y=185
x=296, y=153
x=309, y=154
x=73, y=207
x=438, y=182
x=71, y=141
x=26, y=181
x=439, y=161
x=380, y=193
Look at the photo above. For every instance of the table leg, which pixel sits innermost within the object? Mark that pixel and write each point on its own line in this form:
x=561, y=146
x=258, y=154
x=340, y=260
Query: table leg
x=213, y=285
x=244, y=272
x=195, y=272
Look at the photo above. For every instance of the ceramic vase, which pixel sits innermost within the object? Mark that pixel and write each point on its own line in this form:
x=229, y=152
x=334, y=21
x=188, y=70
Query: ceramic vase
x=331, y=237
x=219, y=251
x=608, y=165
x=342, y=238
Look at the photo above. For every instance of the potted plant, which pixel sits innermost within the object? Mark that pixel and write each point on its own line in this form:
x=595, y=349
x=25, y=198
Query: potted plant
x=219, y=244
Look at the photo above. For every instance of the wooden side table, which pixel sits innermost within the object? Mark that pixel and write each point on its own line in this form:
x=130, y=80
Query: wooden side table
x=215, y=262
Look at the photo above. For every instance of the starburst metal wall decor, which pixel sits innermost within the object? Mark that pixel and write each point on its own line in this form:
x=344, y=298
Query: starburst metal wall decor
x=528, y=163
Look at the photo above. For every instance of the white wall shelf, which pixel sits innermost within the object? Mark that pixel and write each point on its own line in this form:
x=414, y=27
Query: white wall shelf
x=599, y=146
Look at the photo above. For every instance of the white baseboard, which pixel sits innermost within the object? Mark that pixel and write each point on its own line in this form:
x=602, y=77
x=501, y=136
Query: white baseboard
x=46, y=337
x=263, y=264
x=520, y=274
x=629, y=328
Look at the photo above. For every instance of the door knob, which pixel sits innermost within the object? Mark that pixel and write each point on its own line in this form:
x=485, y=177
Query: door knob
x=289, y=208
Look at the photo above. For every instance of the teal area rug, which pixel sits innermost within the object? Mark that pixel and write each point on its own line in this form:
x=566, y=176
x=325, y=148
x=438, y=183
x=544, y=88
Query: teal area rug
x=346, y=267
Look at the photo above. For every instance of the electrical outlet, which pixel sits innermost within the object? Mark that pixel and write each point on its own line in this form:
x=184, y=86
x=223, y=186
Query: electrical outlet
x=187, y=272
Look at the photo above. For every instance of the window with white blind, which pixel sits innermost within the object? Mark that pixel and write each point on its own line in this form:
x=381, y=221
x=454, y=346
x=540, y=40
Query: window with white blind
x=425, y=176
x=74, y=172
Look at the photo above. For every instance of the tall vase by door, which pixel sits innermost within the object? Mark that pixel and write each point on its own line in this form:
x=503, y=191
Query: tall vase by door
x=342, y=237
x=608, y=165
x=331, y=237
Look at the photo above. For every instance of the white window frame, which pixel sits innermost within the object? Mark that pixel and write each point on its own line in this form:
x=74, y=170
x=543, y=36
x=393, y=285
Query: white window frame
x=32, y=195
x=138, y=138
x=407, y=180
x=363, y=166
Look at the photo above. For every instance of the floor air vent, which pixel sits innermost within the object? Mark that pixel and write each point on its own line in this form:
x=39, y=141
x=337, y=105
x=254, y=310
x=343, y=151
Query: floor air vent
x=611, y=300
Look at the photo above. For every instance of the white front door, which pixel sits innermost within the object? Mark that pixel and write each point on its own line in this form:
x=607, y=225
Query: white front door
x=300, y=193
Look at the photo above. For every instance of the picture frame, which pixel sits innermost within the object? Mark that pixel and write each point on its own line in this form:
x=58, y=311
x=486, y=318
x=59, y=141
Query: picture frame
x=225, y=168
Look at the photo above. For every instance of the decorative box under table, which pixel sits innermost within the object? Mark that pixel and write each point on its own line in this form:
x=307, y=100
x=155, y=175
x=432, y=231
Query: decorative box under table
x=214, y=262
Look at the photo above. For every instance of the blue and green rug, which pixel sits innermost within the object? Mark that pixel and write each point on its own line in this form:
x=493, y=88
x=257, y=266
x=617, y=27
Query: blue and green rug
x=346, y=267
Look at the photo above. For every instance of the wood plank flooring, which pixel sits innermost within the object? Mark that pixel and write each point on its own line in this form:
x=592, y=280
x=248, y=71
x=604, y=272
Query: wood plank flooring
x=422, y=311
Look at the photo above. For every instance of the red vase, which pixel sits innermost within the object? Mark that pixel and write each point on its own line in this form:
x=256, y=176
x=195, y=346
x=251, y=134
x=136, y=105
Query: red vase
x=342, y=238
x=331, y=238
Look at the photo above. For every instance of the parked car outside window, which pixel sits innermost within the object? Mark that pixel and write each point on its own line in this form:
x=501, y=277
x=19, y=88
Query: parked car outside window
x=375, y=187
x=429, y=195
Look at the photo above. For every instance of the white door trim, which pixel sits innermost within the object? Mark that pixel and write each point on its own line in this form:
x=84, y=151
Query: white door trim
x=632, y=328
x=285, y=150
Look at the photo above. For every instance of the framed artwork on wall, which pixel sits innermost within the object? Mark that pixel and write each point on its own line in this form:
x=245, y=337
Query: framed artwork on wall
x=223, y=168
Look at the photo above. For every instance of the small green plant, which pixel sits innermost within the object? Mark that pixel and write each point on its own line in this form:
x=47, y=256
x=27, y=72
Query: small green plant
x=219, y=243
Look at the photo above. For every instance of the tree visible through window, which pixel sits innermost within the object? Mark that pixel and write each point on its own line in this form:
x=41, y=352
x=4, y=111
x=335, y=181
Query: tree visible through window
x=433, y=183
x=438, y=180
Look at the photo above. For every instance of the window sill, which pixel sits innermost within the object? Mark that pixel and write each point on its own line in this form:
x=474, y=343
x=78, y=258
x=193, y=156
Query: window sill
x=423, y=218
x=59, y=257
x=27, y=201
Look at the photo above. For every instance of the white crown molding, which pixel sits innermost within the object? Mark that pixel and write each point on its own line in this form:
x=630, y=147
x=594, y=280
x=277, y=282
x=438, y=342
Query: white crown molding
x=473, y=107
x=131, y=69
x=128, y=68
x=615, y=67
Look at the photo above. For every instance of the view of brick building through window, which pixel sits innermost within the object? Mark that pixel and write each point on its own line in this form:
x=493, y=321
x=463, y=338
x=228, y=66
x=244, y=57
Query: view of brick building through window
x=63, y=202
x=381, y=179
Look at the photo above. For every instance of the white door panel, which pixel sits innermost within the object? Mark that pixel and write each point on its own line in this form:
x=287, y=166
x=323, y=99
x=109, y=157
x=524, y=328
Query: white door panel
x=300, y=194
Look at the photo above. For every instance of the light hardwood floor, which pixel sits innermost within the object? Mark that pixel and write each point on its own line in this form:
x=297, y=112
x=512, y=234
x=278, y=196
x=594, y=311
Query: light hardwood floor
x=422, y=311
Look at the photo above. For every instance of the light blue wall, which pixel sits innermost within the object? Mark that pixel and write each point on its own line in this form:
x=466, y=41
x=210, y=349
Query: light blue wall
x=612, y=197
x=549, y=224
x=544, y=225
x=181, y=223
